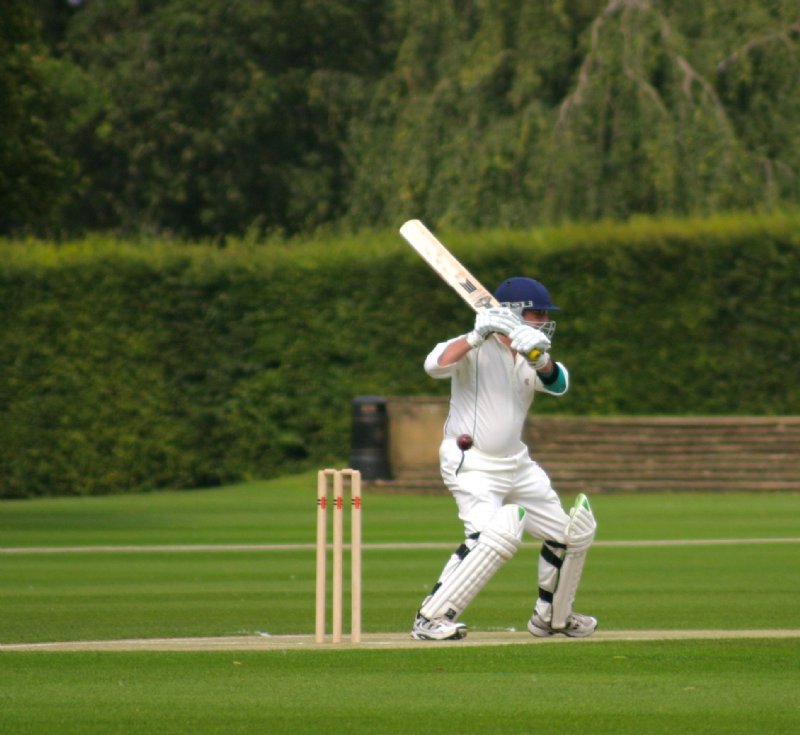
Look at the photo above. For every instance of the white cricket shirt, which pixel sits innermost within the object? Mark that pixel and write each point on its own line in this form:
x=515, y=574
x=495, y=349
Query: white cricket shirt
x=491, y=392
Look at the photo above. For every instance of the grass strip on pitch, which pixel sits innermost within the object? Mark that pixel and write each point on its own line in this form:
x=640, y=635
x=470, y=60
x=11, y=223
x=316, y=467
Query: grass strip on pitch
x=56, y=597
x=583, y=687
x=47, y=597
x=282, y=511
x=725, y=686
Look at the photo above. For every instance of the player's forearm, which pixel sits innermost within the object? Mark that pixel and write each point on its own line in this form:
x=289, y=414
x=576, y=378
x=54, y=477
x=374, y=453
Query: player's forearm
x=454, y=352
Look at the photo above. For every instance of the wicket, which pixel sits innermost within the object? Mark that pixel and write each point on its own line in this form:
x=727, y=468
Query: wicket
x=337, y=480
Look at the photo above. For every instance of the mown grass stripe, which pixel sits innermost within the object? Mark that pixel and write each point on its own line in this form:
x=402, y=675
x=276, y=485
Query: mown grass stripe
x=184, y=548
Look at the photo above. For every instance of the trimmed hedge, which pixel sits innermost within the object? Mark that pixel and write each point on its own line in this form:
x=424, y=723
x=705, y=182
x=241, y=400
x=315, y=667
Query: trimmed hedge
x=128, y=367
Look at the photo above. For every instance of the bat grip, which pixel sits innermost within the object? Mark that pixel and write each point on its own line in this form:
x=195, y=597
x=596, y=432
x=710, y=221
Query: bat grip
x=534, y=354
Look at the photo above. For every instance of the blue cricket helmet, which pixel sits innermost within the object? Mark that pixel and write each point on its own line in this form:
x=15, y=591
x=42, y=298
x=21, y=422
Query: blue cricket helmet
x=522, y=293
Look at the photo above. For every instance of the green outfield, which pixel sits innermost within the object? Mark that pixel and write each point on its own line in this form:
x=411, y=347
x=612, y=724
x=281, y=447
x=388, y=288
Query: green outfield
x=239, y=562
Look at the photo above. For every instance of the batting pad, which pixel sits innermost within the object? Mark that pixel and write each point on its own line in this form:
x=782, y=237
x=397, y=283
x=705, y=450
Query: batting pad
x=581, y=526
x=497, y=543
x=580, y=531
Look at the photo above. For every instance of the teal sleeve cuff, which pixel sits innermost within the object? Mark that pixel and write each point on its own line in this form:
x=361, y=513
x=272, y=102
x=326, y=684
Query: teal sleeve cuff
x=556, y=382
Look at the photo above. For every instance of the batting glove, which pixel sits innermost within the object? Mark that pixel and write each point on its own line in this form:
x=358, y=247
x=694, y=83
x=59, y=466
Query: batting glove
x=498, y=319
x=525, y=339
x=540, y=363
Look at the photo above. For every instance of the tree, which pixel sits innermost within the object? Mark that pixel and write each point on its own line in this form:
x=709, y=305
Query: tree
x=508, y=113
x=32, y=175
x=221, y=116
x=203, y=119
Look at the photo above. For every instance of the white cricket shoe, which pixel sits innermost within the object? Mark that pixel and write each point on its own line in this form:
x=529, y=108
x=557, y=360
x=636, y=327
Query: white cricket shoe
x=578, y=626
x=440, y=629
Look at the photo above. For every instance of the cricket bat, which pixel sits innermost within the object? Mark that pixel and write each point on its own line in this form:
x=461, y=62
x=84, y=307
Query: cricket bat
x=450, y=270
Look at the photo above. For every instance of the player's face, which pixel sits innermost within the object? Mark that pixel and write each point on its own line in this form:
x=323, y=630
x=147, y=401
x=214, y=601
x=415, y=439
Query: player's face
x=535, y=317
x=539, y=319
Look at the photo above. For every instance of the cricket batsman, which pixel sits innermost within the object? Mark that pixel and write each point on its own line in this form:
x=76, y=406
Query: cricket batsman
x=500, y=491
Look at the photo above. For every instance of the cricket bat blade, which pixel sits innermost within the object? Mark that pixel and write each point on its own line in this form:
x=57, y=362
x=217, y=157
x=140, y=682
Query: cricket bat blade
x=450, y=270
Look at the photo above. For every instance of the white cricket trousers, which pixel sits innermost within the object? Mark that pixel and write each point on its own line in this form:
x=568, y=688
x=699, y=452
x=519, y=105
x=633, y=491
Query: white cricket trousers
x=481, y=483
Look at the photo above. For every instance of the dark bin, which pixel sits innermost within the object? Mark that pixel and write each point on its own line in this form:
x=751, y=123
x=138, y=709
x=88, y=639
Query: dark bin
x=370, y=441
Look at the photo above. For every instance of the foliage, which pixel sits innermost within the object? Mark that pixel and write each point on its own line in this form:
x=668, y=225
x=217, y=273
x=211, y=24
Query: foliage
x=129, y=366
x=31, y=172
x=204, y=119
x=218, y=117
x=538, y=114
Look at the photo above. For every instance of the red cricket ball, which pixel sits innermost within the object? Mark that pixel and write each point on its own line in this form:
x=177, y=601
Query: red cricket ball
x=464, y=442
